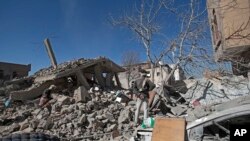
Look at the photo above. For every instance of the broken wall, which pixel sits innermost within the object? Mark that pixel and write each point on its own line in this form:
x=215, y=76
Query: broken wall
x=215, y=91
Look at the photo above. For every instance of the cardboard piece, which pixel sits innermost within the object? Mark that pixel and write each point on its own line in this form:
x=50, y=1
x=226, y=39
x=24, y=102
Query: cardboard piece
x=170, y=129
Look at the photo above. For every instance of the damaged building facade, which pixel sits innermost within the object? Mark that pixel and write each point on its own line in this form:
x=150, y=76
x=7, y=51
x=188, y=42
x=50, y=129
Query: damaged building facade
x=161, y=71
x=230, y=30
x=9, y=71
x=82, y=72
x=82, y=102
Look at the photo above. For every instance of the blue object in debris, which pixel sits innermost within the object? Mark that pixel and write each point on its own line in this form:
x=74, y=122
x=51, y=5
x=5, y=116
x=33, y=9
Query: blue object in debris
x=7, y=103
x=118, y=93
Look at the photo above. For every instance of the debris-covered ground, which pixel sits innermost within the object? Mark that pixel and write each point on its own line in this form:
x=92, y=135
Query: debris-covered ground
x=73, y=113
x=100, y=118
x=83, y=105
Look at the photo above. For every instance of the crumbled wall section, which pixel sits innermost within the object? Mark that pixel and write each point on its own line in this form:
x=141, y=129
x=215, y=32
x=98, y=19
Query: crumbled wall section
x=8, y=70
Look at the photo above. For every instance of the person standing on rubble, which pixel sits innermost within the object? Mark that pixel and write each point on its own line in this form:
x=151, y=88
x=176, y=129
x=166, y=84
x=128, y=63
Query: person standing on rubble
x=141, y=87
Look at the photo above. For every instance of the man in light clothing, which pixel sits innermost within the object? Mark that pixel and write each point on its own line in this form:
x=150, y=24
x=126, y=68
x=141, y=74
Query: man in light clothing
x=141, y=88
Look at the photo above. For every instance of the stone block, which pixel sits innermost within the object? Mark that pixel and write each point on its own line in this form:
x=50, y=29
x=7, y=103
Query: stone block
x=24, y=124
x=63, y=100
x=124, y=116
x=112, y=127
x=80, y=94
x=82, y=119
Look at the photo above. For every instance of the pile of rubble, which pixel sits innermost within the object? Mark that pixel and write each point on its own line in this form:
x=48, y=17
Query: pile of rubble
x=99, y=118
x=76, y=111
x=216, y=90
x=84, y=106
x=63, y=67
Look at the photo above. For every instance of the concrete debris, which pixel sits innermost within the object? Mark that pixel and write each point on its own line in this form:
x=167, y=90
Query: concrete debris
x=69, y=119
x=30, y=136
x=112, y=127
x=85, y=105
x=178, y=110
x=125, y=116
x=80, y=94
x=82, y=119
x=216, y=90
x=50, y=52
x=198, y=112
x=45, y=124
x=24, y=125
x=63, y=100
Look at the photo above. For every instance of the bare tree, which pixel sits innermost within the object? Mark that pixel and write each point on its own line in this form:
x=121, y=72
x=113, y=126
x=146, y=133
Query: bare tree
x=143, y=23
x=128, y=60
x=184, y=48
x=188, y=48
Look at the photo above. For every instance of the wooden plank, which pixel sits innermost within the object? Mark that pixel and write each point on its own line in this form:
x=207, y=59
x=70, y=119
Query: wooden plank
x=170, y=129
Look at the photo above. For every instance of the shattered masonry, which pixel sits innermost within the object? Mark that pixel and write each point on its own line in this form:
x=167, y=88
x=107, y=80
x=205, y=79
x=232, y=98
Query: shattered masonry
x=84, y=106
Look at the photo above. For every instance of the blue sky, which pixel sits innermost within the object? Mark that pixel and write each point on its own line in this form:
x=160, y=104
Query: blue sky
x=76, y=28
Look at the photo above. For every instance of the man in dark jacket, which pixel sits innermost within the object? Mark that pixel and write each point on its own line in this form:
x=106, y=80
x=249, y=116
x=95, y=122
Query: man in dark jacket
x=141, y=88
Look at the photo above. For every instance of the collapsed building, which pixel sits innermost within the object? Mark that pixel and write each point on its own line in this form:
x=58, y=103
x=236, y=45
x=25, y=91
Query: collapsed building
x=84, y=102
x=85, y=73
x=161, y=71
x=84, y=105
x=10, y=71
x=77, y=96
